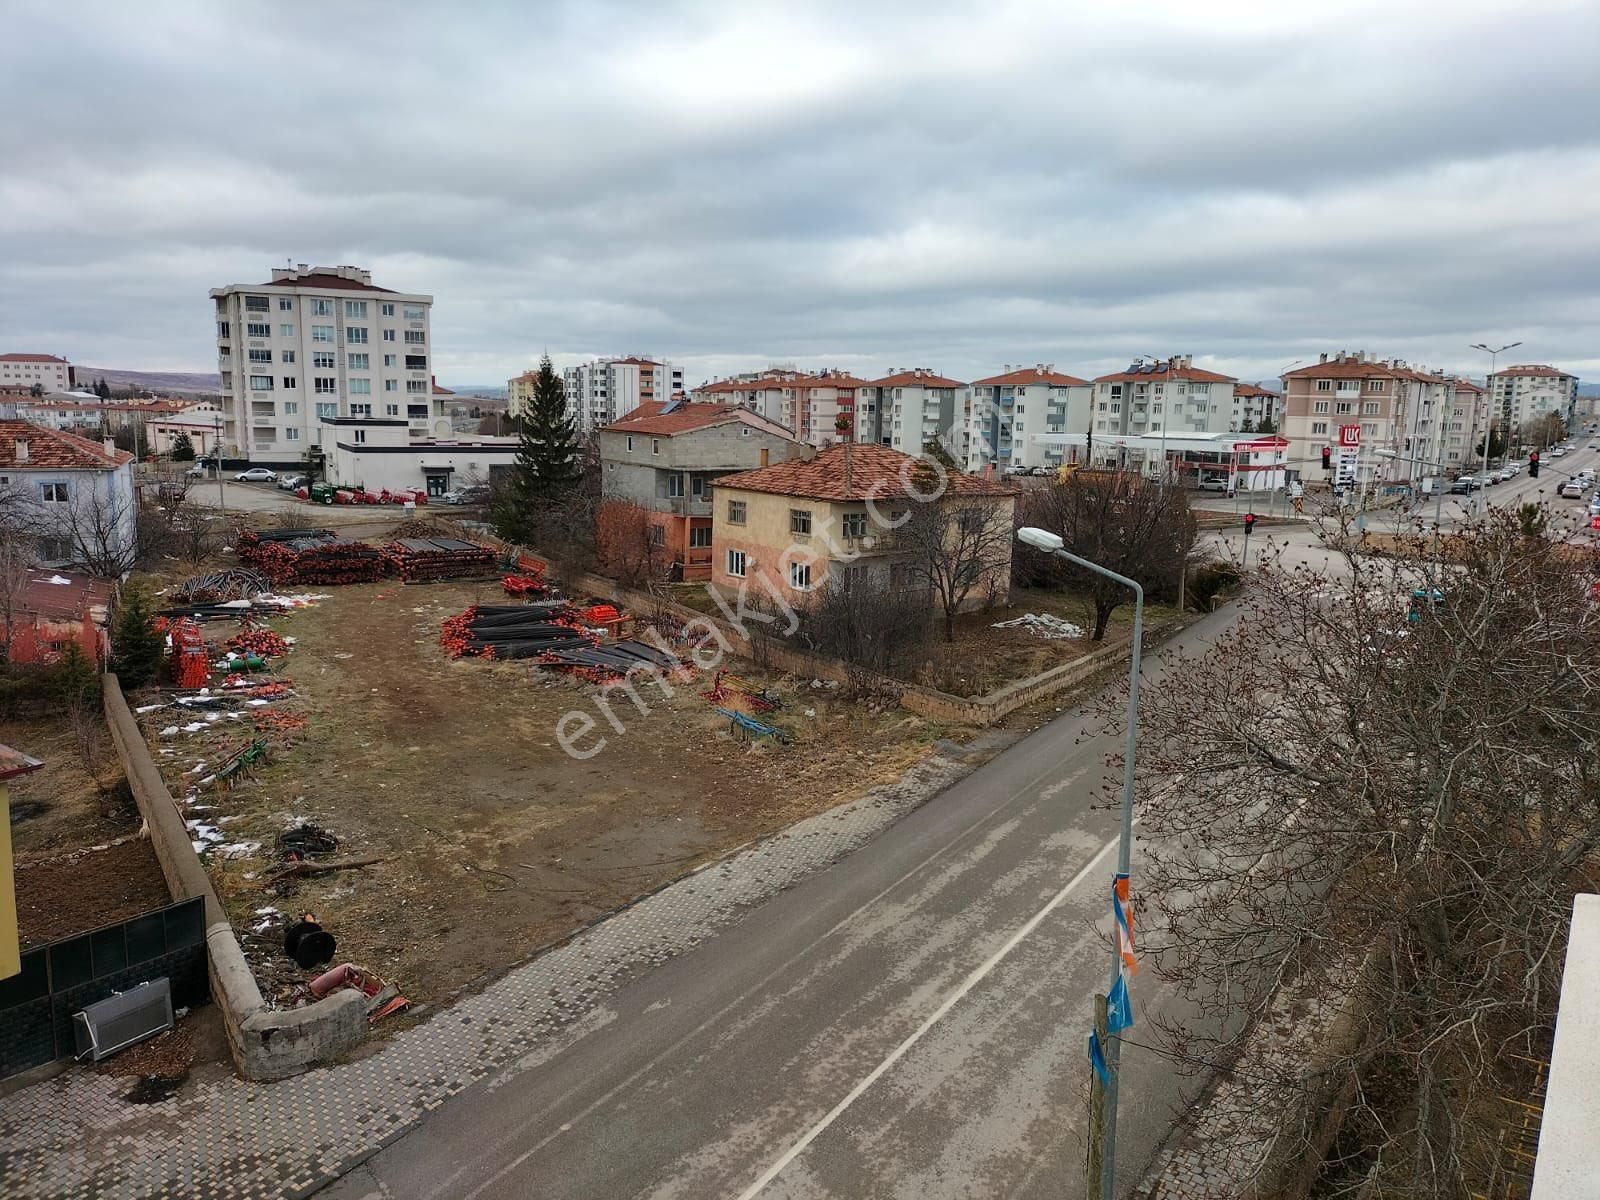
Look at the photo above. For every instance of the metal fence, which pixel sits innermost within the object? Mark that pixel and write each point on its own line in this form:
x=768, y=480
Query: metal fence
x=61, y=977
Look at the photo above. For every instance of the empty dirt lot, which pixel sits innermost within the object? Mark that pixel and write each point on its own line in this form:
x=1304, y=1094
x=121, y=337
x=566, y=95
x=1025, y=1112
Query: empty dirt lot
x=495, y=841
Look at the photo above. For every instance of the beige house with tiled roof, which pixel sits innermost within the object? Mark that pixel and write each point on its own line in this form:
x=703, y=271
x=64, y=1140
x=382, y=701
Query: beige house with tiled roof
x=75, y=496
x=786, y=529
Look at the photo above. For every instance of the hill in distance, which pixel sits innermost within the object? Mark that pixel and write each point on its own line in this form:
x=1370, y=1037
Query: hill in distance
x=163, y=382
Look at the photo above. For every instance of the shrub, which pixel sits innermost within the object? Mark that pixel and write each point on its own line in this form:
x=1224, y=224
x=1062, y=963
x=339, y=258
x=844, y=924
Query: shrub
x=1208, y=581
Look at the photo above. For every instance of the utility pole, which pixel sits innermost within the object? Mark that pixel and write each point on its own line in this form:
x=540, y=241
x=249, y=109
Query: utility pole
x=1094, y=1167
x=1494, y=353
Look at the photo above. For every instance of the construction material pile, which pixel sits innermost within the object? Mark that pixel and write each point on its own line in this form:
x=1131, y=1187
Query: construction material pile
x=220, y=587
x=514, y=631
x=531, y=584
x=322, y=560
x=423, y=560
x=251, y=542
x=263, y=642
x=191, y=662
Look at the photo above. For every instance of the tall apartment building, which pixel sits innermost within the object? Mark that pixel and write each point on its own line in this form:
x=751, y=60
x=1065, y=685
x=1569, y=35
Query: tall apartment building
x=315, y=343
x=762, y=392
x=1525, y=393
x=604, y=389
x=46, y=371
x=1006, y=410
x=809, y=404
x=1253, y=405
x=1171, y=395
x=918, y=406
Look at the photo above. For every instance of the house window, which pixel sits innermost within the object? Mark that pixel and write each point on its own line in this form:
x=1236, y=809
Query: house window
x=415, y=337
x=291, y=434
x=388, y=335
x=256, y=304
x=321, y=308
x=356, y=309
x=392, y=410
x=675, y=486
x=416, y=386
x=290, y=382
x=222, y=329
x=285, y=330
x=736, y=563
x=1324, y=385
x=630, y=441
x=655, y=445
x=391, y=385
x=360, y=410
x=800, y=522
x=360, y=435
x=257, y=329
x=322, y=360
x=1376, y=385
x=1320, y=406
x=1369, y=408
x=1319, y=427
x=285, y=305
x=261, y=356
x=358, y=362
x=325, y=409
x=322, y=333
x=325, y=385
x=386, y=310
x=53, y=493
x=800, y=576
x=699, y=537
x=291, y=407
x=416, y=362
x=287, y=356
x=415, y=314
x=855, y=525
x=388, y=360
x=55, y=549
x=355, y=335
x=261, y=383
x=360, y=387
x=736, y=512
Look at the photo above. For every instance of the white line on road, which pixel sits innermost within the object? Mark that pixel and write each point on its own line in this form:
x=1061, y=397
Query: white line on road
x=971, y=981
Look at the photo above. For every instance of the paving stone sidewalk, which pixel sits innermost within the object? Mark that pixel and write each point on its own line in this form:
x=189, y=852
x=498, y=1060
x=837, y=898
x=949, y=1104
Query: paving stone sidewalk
x=74, y=1137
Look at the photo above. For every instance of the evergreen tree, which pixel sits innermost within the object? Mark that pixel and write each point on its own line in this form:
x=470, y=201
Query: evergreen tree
x=135, y=644
x=182, y=448
x=547, y=465
x=73, y=679
x=101, y=390
x=1268, y=425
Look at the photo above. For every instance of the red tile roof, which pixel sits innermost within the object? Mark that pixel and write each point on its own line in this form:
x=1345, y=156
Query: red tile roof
x=1538, y=370
x=55, y=448
x=876, y=472
x=920, y=377
x=1349, y=368
x=1166, y=373
x=59, y=595
x=833, y=379
x=1252, y=391
x=1466, y=385
x=49, y=358
x=442, y=391
x=1031, y=375
x=649, y=418
x=334, y=282
x=747, y=385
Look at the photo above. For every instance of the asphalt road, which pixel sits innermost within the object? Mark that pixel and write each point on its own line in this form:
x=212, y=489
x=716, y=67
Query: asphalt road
x=909, y=1023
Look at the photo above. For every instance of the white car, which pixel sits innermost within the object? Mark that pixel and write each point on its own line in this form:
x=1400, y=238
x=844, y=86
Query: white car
x=256, y=475
x=1558, y=452
x=1572, y=489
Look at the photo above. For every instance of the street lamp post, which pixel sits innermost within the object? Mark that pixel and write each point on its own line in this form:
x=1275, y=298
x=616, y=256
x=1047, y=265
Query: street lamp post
x=1494, y=353
x=1051, y=543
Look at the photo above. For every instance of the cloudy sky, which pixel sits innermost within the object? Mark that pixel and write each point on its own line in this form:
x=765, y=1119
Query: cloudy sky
x=865, y=185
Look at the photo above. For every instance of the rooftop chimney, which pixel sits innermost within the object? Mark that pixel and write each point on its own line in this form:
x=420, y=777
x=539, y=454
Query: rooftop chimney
x=110, y=446
x=1323, y=357
x=22, y=450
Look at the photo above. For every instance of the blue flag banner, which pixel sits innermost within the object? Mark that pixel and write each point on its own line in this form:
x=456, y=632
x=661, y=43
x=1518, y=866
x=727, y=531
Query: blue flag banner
x=1097, y=1059
x=1119, y=1006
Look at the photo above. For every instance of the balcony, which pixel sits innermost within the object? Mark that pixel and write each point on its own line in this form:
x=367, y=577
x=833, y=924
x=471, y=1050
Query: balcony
x=1348, y=391
x=689, y=506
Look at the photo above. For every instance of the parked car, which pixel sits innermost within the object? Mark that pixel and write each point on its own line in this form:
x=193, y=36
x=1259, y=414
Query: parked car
x=1464, y=485
x=476, y=493
x=290, y=483
x=256, y=475
x=1571, y=489
x=1214, y=485
x=197, y=472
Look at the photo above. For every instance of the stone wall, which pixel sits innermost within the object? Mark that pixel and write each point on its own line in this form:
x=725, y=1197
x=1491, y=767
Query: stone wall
x=266, y=1043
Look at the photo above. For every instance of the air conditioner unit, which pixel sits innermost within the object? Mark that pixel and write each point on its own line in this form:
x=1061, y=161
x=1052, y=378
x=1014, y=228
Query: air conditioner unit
x=119, y=1021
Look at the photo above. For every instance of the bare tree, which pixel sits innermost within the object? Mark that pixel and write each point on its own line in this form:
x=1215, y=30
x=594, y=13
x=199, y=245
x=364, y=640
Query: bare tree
x=958, y=547
x=1139, y=528
x=18, y=543
x=864, y=621
x=103, y=528
x=625, y=543
x=1543, y=430
x=1396, y=786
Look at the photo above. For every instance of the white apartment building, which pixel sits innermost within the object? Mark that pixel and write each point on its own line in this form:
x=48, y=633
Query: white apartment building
x=1008, y=411
x=1527, y=392
x=765, y=393
x=1172, y=396
x=36, y=370
x=315, y=343
x=603, y=390
x=918, y=406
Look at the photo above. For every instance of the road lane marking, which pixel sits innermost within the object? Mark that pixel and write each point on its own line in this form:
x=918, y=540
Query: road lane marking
x=975, y=977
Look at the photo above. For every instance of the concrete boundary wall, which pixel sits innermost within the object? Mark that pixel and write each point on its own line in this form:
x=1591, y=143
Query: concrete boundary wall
x=266, y=1043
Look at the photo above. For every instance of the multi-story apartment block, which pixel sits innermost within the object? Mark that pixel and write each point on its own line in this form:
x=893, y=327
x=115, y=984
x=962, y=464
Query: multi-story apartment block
x=919, y=406
x=1525, y=393
x=1413, y=422
x=810, y=404
x=1172, y=396
x=44, y=371
x=315, y=343
x=761, y=392
x=1007, y=410
x=604, y=389
x=1254, y=407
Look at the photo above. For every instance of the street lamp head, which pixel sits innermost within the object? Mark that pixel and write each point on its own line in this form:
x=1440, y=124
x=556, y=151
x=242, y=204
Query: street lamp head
x=1040, y=539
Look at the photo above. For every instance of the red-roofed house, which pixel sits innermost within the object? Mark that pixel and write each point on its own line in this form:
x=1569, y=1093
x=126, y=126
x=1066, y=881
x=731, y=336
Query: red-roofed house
x=791, y=526
x=665, y=455
x=47, y=371
x=74, y=496
x=50, y=610
x=1008, y=409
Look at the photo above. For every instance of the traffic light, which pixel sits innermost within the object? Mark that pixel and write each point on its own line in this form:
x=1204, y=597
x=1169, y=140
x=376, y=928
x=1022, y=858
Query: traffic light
x=1327, y=458
x=1533, y=465
x=1249, y=523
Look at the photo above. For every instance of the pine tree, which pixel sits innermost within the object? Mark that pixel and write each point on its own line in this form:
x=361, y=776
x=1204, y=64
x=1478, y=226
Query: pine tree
x=136, y=646
x=182, y=448
x=547, y=464
x=101, y=389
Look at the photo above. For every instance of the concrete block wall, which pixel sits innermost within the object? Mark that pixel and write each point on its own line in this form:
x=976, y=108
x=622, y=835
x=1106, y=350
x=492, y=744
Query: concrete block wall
x=266, y=1043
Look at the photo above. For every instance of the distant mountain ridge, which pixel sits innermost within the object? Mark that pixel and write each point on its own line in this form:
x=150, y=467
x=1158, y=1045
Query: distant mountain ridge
x=153, y=381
